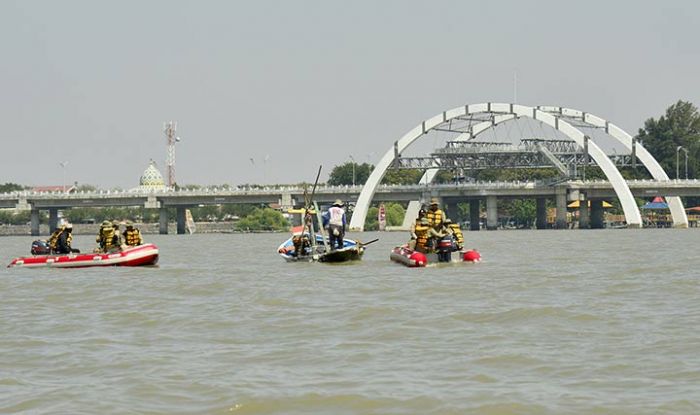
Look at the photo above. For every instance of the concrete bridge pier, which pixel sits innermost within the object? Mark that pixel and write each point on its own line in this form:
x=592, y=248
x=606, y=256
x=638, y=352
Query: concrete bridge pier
x=541, y=221
x=584, y=217
x=181, y=220
x=491, y=213
x=34, y=220
x=163, y=220
x=474, y=214
x=561, y=208
x=53, y=219
x=597, y=221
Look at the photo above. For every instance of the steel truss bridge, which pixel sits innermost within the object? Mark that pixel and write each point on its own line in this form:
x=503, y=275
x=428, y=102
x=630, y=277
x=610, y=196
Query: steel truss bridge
x=563, y=155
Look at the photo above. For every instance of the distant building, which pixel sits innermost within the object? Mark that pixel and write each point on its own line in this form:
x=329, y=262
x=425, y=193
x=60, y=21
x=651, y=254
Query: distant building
x=151, y=180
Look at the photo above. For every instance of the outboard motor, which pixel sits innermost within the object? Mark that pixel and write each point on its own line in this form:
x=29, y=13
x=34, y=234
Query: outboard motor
x=445, y=248
x=40, y=248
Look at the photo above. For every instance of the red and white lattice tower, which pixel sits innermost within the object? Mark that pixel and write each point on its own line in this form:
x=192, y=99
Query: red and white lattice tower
x=169, y=129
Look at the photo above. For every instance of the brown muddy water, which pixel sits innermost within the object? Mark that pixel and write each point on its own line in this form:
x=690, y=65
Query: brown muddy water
x=551, y=322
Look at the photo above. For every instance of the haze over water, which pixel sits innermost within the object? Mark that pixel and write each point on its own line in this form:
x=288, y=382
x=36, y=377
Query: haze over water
x=551, y=322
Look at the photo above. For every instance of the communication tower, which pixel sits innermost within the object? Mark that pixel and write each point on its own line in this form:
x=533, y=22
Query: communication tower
x=169, y=129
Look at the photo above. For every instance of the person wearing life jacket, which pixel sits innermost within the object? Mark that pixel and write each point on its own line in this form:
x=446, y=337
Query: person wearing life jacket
x=456, y=232
x=60, y=241
x=107, y=239
x=435, y=215
x=53, y=239
x=421, y=215
x=421, y=230
x=335, y=220
x=132, y=235
x=115, y=225
x=434, y=237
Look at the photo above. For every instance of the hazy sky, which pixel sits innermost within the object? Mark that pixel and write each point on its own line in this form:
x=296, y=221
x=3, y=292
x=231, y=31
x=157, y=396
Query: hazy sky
x=304, y=83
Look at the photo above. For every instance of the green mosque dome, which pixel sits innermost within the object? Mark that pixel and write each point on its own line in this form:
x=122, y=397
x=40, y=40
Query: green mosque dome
x=151, y=178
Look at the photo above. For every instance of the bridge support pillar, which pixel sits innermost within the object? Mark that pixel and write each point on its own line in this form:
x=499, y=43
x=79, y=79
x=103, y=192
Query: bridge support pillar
x=286, y=201
x=491, y=213
x=181, y=220
x=561, y=208
x=34, y=220
x=597, y=221
x=541, y=221
x=53, y=219
x=474, y=214
x=584, y=216
x=163, y=220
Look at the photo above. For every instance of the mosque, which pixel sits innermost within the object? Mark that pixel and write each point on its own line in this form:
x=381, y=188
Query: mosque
x=151, y=180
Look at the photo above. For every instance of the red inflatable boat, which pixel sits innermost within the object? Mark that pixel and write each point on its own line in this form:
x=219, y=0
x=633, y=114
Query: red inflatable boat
x=405, y=256
x=146, y=254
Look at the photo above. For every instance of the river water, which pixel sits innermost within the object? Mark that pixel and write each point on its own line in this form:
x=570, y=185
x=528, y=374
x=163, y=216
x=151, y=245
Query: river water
x=551, y=322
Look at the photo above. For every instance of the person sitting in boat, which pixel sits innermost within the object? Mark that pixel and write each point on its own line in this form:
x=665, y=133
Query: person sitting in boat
x=421, y=215
x=434, y=214
x=107, y=239
x=435, y=234
x=115, y=225
x=335, y=220
x=456, y=232
x=52, y=242
x=132, y=234
x=302, y=245
x=421, y=230
x=60, y=241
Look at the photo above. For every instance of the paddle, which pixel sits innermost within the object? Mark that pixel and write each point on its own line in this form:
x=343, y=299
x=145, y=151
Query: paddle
x=312, y=234
x=313, y=191
x=367, y=243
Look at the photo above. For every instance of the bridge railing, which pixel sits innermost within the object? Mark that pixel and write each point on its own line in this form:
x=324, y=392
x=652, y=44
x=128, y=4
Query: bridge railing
x=343, y=189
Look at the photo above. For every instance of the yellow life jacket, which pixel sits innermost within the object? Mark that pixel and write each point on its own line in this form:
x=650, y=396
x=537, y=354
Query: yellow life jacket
x=53, y=239
x=132, y=237
x=106, y=237
x=421, y=235
x=435, y=218
x=457, y=232
x=56, y=236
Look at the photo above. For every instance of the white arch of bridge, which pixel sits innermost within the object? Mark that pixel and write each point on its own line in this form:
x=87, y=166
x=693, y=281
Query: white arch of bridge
x=629, y=206
x=678, y=214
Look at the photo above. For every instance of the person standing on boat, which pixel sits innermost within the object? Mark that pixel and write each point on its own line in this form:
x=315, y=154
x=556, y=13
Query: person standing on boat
x=435, y=215
x=132, y=235
x=334, y=218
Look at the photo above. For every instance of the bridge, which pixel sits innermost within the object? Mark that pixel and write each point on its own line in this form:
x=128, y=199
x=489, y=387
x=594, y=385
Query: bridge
x=579, y=136
x=576, y=141
x=475, y=193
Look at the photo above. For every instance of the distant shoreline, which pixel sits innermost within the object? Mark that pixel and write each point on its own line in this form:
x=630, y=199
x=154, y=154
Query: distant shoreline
x=146, y=229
